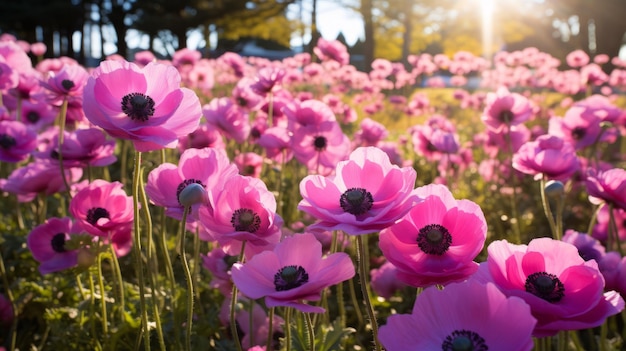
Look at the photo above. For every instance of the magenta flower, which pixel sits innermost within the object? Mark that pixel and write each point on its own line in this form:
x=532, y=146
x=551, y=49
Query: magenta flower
x=103, y=208
x=81, y=148
x=219, y=264
x=462, y=316
x=47, y=244
x=6, y=311
x=206, y=135
x=504, y=109
x=259, y=321
x=384, y=280
x=66, y=83
x=208, y=167
x=231, y=120
x=577, y=58
x=307, y=113
x=17, y=141
x=371, y=133
x=564, y=291
x=549, y=156
x=37, y=177
x=607, y=186
x=145, y=105
x=601, y=229
x=249, y=164
x=277, y=144
x=437, y=241
x=289, y=275
x=267, y=80
x=331, y=50
x=366, y=195
x=581, y=126
x=320, y=147
x=242, y=210
x=588, y=247
x=37, y=114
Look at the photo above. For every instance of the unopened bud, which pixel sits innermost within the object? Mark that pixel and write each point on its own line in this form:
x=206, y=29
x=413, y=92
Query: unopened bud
x=193, y=193
x=554, y=188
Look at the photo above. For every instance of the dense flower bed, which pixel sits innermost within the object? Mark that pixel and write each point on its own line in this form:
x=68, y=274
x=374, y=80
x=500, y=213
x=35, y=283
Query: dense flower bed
x=240, y=203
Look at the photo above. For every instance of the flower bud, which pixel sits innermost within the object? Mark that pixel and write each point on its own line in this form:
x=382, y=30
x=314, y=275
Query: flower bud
x=554, y=188
x=193, y=193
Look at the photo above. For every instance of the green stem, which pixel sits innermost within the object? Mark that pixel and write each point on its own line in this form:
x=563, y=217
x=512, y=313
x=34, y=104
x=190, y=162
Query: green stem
x=546, y=208
x=288, y=328
x=363, y=271
x=614, y=231
x=103, y=305
x=62, y=115
x=138, y=252
x=270, y=330
x=165, y=253
x=92, y=306
x=152, y=264
x=120, y=282
x=188, y=279
x=309, y=327
x=233, y=305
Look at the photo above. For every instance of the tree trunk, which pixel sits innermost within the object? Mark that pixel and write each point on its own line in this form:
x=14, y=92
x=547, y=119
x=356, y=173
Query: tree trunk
x=408, y=30
x=315, y=34
x=368, y=44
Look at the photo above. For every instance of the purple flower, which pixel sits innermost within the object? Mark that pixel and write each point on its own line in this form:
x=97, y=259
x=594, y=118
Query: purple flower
x=549, y=156
x=607, y=186
x=462, y=316
x=17, y=141
x=366, y=195
x=47, y=243
x=290, y=274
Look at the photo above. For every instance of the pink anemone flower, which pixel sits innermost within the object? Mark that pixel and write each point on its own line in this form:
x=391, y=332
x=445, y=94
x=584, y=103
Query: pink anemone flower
x=564, y=291
x=38, y=177
x=103, y=208
x=17, y=141
x=320, y=147
x=549, y=157
x=47, y=243
x=437, y=241
x=504, y=109
x=241, y=210
x=289, y=275
x=208, y=167
x=145, y=105
x=462, y=316
x=228, y=117
x=607, y=186
x=81, y=148
x=366, y=195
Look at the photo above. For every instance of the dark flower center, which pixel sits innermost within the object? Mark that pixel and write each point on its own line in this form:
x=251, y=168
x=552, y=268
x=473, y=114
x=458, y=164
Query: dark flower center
x=95, y=213
x=290, y=277
x=464, y=340
x=241, y=101
x=58, y=242
x=506, y=116
x=138, y=106
x=546, y=286
x=230, y=260
x=434, y=239
x=7, y=141
x=33, y=116
x=356, y=201
x=320, y=143
x=184, y=184
x=578, y=133
x=67, y=84
x=248, y=170
x=245, y=220
x=255, y=133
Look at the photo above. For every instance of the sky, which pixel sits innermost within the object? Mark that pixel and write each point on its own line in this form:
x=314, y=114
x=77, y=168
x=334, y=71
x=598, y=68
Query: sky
x=332, y=19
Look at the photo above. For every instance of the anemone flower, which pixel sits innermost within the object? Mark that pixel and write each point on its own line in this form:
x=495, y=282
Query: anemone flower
x=229, y=118
x=564, y=291
x=145, y=105
x=582, y=127
x=288, y=275
x=241, y=210
x=549, y=157
x=47, y=244
x=38, y=177
x=103, y=208
x=366, y=194
x=68, y=83
x=320, y=147
x=504, y=109
x=607, y=186
x=17, y=141
x=327, y=50
x=207, y=167
x=6, y=311
x=462, y=316
x=588, y=247
x=371, y=133
x=81, y=148
x=437, y=241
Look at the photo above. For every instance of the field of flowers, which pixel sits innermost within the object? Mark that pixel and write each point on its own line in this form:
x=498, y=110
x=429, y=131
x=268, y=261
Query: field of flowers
x=236, y=203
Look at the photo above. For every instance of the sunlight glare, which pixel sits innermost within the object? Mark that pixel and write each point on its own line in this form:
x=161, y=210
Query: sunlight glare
x=486, y=7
